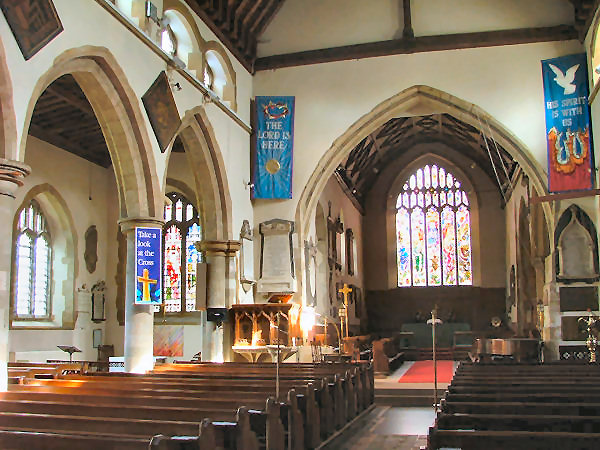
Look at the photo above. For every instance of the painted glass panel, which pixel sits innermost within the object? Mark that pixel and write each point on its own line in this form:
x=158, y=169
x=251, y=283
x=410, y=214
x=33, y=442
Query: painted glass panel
x=168, y=212
x=193, y=257
x=420, y=178
x=417, y=220
x=434, y=176
x=434, y=269
x=448, y=246
x=403, y=247
x=427, y=175
x=463, y=241
x=172, y=270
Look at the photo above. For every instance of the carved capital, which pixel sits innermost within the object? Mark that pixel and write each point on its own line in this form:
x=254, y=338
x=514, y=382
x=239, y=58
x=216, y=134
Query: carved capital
x=129, y=224
x=226, y=248
x=12, y=174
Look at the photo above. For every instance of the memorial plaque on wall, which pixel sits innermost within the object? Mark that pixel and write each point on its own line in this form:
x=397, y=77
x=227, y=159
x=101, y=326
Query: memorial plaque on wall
x=571, y=330
x=578, y=298
x=276, y=257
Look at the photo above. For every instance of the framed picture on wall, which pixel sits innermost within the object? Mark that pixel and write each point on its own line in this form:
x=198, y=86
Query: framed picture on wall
x=97, y=337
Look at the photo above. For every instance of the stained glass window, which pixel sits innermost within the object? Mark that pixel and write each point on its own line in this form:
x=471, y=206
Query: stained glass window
x=33, y=264
x=181, y=231
x=433, y=230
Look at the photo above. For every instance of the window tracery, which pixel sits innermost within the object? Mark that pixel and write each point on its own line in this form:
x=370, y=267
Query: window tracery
x=433, y=230
x=180, y=232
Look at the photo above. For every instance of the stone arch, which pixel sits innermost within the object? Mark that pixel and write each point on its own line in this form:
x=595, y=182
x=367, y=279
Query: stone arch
x=213, y=199
x=390, y=207
x=578, y=261
x=117, y=109
x=64, y=237
x=414, y=101
x=8, y=120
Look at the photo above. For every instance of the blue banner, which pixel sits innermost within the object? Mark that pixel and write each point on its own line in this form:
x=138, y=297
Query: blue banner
x=568, y=131
x=274, y=147
x=148, y=245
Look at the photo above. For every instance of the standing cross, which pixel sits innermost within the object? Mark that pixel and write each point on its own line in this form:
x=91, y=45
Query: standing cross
x=146, y=282
x=345, y=291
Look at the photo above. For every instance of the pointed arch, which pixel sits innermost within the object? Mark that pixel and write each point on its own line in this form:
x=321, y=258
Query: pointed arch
x=65, y=249
x=210, y=178
x=415, y=101
x=118, y=112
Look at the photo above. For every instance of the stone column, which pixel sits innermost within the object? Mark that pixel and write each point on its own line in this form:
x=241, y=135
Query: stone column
x=11, y=178
x=139, y=319
x=221, y=284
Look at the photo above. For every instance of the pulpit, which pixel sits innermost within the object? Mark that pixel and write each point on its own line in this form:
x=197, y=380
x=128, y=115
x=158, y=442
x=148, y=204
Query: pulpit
x=266, y=329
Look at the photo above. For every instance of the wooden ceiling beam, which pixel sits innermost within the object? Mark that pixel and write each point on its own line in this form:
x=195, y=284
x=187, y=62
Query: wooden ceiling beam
x=72, y=99
x=262, y=25
x=221, y=35
x=419, y=44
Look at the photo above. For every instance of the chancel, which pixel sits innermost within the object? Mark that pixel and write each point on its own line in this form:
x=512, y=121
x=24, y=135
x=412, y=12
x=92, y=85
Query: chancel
x=270, y=197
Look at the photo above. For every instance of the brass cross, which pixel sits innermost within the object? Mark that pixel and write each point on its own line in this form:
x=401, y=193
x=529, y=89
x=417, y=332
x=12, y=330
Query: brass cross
x=345, y=291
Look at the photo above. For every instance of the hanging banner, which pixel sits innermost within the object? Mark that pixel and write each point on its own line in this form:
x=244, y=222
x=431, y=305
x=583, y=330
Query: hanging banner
x=568, y=131
x=148, y=244
x=274, y=147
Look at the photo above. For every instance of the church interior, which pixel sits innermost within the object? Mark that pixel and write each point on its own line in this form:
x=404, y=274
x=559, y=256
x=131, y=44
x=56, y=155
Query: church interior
x=290, y=224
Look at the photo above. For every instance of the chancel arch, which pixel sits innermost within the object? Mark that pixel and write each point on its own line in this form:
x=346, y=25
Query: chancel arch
x=432, y=110
x=8, y=124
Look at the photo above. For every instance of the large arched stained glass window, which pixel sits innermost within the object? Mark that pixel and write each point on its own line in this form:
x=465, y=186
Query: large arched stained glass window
x=181, y=230
x=33, y=264
x=433, y=230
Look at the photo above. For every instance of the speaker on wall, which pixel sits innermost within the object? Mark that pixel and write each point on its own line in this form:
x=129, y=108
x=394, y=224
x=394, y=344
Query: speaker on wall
x=216, y=314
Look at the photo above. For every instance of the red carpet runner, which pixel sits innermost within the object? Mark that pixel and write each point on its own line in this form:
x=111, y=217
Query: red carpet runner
x=422, y=372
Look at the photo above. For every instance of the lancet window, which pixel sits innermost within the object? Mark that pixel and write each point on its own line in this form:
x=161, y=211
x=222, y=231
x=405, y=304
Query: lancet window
x=433, y=230
x=181, y=231
x=33, y=250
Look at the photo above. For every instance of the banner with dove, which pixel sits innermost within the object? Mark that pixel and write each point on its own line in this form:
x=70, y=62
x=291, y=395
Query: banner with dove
x=274, y=147
x=568, y=130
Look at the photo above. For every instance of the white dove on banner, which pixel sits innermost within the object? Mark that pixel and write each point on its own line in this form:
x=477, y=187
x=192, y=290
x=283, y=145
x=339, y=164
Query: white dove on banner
x=565, y=80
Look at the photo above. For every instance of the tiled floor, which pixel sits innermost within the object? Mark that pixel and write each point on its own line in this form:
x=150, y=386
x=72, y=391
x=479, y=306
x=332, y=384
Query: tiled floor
x=388, y=428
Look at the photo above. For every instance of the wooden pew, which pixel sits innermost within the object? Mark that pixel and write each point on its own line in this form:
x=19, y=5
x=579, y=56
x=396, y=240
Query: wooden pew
x=521, y=422
x=514, y=440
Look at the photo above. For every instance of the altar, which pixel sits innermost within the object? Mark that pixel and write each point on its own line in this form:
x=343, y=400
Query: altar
x=446, y=335
x=264, y=330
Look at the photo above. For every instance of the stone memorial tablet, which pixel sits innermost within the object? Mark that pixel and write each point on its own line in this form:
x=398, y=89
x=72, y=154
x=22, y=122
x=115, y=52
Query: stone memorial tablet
x=276, y=257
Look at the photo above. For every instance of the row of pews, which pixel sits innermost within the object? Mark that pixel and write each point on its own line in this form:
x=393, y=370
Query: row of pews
x=181, y=406
x=520, y=406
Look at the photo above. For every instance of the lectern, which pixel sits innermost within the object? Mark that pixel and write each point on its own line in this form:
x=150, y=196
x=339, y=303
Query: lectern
x=70, y=349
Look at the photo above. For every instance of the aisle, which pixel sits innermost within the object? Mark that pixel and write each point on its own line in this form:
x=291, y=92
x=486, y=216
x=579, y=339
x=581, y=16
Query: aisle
x=386, y=428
